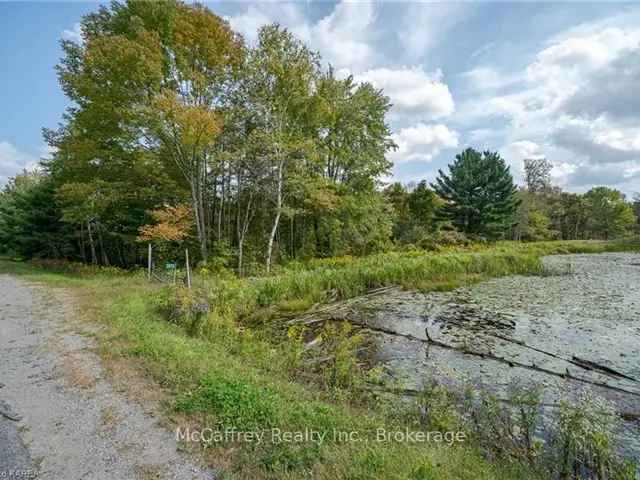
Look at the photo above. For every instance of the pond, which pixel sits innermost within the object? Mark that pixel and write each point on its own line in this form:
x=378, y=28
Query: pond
x=575, y=328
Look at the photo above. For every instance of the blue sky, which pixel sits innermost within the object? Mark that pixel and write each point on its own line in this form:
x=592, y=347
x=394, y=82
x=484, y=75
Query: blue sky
x=558, y=80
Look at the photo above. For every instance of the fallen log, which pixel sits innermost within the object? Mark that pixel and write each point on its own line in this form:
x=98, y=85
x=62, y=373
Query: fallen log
x=588, y=364
x=585, y=364
x=324, y=314
x=328, y=313
x=631, y=416
x=488, y=355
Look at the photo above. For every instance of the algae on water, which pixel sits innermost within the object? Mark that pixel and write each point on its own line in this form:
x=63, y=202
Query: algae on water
x=584, y=309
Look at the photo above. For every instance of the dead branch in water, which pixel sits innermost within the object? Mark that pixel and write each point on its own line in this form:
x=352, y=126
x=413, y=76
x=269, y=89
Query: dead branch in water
x=506, y=361
x=589, y=365
x=585, y=364
x=343, y=308
x=327, y=313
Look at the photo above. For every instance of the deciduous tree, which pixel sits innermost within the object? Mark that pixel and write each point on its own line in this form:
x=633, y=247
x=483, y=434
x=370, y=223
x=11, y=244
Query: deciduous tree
x=609, y=215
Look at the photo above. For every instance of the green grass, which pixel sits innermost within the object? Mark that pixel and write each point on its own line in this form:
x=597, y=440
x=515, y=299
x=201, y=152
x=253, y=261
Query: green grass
x=236, y=377
x=340, y=278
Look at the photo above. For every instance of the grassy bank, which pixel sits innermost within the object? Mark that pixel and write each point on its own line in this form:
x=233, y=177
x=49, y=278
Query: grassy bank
x=236, y=376
x=299, y=287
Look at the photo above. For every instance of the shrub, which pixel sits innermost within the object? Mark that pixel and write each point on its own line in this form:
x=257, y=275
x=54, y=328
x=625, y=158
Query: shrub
x=444, y=239
x=584, y=440
x=341, y=346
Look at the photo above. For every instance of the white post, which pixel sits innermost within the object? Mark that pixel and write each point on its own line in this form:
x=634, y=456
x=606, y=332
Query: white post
x=149, y=263
x=186, y=254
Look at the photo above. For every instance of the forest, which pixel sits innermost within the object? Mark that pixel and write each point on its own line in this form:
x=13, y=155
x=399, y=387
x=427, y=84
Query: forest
x=182, y=135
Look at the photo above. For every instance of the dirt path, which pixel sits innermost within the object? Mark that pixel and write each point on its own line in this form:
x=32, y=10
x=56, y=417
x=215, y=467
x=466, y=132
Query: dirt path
x=60, y=418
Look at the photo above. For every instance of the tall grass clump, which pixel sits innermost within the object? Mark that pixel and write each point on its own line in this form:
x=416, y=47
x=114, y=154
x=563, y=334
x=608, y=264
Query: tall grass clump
x=232, y=299
x=584, y=441
x=355, y=278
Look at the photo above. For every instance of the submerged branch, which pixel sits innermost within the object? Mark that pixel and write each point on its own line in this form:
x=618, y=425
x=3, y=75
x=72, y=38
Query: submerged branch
x=579, y=362
x=506, y=361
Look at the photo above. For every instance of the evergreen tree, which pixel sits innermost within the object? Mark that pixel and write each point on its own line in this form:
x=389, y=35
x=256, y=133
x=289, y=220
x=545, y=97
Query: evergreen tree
x=423, y=206
x=479, y=194
x=30, y=223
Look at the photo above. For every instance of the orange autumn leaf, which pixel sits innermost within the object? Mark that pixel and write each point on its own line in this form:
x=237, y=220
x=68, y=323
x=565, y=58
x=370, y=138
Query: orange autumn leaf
x=172, y=224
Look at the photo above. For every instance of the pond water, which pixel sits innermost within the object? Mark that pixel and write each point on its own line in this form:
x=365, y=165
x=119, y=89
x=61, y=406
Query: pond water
x=587, y=309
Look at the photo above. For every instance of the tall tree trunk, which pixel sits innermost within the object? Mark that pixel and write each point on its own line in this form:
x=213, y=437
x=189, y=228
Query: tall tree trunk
x=230, y=209
x=222, y=202
x=276, y=220
x=92, y=245
x=198, y=181
x=292, y=247
x=199, y=217
x=243, y=233
x=214, y=204
x=83, y=250
x=103, y=252
x=316, y=233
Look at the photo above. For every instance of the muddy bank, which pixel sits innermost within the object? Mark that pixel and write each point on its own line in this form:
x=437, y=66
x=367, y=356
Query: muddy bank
x=577, y=327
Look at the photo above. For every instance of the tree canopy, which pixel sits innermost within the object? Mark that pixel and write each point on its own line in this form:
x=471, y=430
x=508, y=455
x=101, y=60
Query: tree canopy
x=479, y=194
x=179, y=133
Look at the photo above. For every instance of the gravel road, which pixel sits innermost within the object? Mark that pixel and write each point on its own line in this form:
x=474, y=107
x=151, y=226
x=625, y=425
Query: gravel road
x=60, y=417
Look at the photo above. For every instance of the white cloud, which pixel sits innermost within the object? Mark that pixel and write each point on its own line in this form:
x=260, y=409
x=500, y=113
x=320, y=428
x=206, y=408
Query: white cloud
x=483, y=78
x=343, y=37
x=611, y=90
x=578, y=98
x=624, y=176
x=421, y=142
x=249, y=22
x=289, y=15
x=425, y=24
x=482, y=137
x=598, y=141
x=522, y=149
x=412, y=90
x=75, y=34
x=13, y=161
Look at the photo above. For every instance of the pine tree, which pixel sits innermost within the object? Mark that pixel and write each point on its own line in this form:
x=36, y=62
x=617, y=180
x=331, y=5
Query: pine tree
x=479, y=194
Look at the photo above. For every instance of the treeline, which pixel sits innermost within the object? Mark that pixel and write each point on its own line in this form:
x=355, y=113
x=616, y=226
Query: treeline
x=546, y=212
x=471, y=208
x=183, y=135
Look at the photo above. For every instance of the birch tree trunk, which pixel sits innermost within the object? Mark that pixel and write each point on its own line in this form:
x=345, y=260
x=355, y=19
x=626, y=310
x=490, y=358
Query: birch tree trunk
x=198, y=211
x=276, y=220
x=243, y=233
